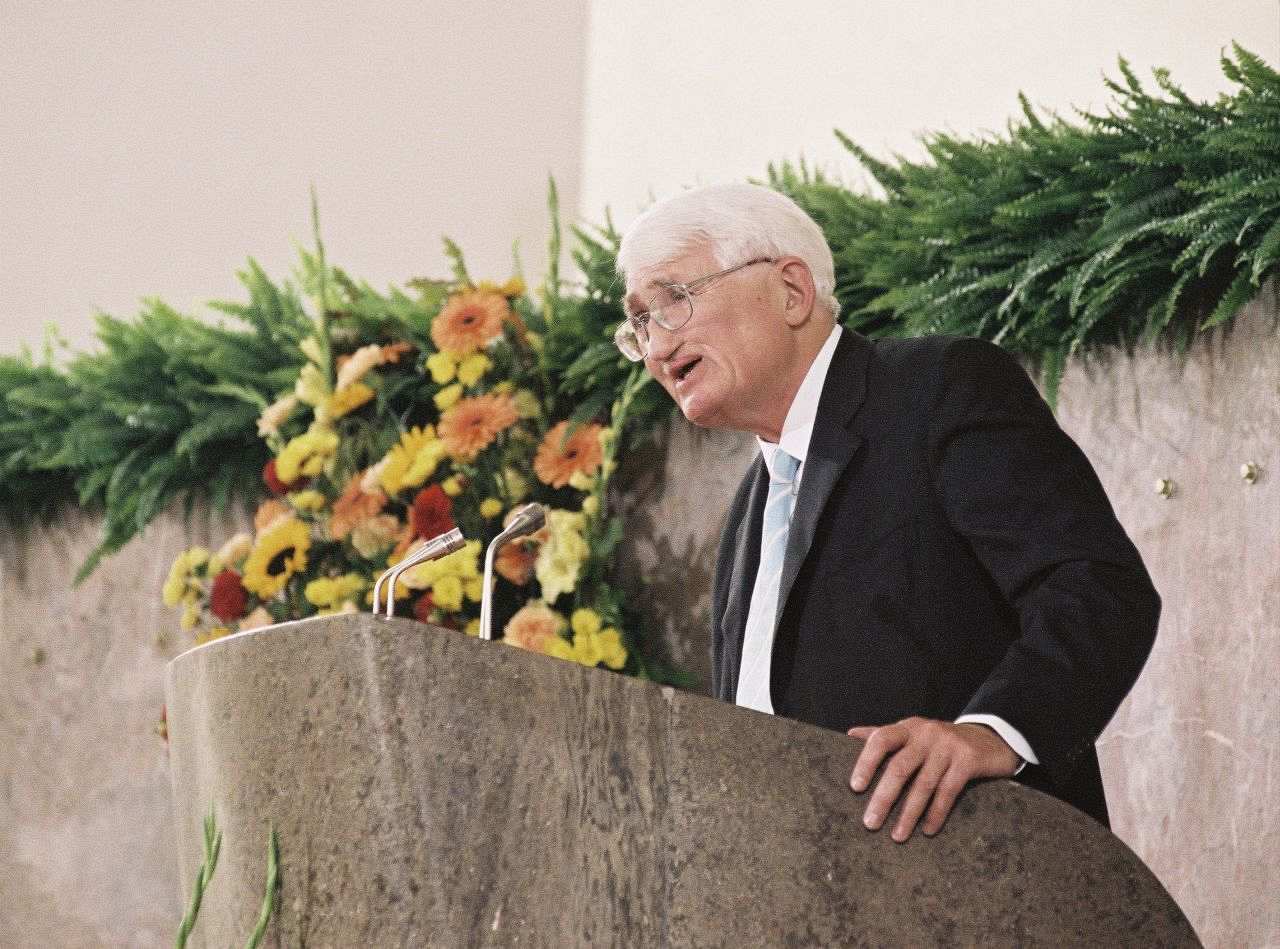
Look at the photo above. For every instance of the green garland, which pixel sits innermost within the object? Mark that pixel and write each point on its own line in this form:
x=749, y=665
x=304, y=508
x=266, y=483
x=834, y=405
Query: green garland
x=1158, y=219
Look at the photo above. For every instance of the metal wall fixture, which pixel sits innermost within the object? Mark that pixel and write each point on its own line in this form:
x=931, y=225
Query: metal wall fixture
x=1165, y=487
x=1250, y=472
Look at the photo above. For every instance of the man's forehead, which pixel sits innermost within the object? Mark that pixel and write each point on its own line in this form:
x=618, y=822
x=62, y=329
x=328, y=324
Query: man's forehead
x=680, y=268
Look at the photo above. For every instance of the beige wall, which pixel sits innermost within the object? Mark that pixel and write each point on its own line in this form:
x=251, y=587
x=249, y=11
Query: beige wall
x=681, y=94
x=148, y=149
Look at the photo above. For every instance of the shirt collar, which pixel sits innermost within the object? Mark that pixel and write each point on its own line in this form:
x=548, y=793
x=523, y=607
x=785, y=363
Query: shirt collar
x=797, y=427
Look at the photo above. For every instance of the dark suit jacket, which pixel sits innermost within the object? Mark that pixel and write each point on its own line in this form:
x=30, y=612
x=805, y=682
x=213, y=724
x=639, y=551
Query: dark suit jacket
x=951, y=551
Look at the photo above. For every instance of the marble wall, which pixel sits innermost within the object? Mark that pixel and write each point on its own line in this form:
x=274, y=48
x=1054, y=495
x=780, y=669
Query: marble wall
x=1191, y=761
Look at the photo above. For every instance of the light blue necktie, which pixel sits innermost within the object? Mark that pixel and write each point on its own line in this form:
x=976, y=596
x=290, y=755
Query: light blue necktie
x=757, y=644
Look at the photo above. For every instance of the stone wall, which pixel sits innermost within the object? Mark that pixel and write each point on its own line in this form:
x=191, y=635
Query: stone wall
x=1191, y=762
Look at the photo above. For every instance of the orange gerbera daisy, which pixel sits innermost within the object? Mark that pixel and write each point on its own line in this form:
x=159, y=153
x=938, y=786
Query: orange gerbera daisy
x=469, y=320
x=559, y=458
x=354, y=507
x=471, y=425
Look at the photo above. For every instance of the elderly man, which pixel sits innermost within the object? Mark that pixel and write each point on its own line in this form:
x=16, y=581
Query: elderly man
x=919, y=555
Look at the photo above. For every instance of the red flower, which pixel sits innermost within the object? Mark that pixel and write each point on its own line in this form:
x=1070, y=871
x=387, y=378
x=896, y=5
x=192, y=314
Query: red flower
x=278, y=487
x=228, y=598
x=432, y=513
x=422, y=608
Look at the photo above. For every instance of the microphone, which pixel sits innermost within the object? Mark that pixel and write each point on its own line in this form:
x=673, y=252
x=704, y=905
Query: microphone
x=526, y=521
x=434, y=549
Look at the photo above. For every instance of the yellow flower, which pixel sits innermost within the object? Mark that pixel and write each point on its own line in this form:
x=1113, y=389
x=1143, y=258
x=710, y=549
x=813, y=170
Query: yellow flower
x=412, y=461
x=472, y=628
x=463, y=564
x=452, y=486
x=472, y=369
x=560, y=559
x=505, y=387
x=512, y=288
x=360, y=362
x=607, y=437
x=308, y=500
x=276, y=414
x=347, y=399
x=587, y=651
x=585, y=622
x=280, y=552
x=555, y=646
x=347, y=607
x=590, y=505
x=330, y=591
x=614, y=653
x=580, y=481
x=447, y=397
x=443, y=366
x=180, y=580
x=474, y=589
x=311, y=386
x=527, y=405
x=305, y=456
x=190, y=612
x=446, y=593
x=490, y=508
x=208, y=636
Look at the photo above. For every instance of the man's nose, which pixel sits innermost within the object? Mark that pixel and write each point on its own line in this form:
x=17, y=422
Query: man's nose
x=662, y=343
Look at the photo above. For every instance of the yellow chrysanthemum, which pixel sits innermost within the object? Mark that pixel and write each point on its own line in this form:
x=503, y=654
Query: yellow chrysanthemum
x=474, y=589
x=472, y=369
x=452, y=486
x=581, y=481
x=555, y=646
x=615, y=654
x=447, y=397
x=472, y=628
x=347, y=606
x=443, y=367
x=209, y=635
x=180, y=580
x=190, y=612
x=590, y=505
x=330, y=591
x=585, y=622
x=412, y=461
x=463, y=564
x=279, y=553
x=308, y=500
x=347, y=399
x=305, y=456
x=512, y=288
x=490, y=508
x=560, y=559
x=446, y=593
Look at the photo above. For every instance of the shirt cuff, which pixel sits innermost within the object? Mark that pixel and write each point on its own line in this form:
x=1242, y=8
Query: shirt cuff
x=1010, y=735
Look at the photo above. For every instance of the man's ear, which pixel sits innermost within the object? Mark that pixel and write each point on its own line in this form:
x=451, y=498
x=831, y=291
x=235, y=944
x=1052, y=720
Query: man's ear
x=800, y=294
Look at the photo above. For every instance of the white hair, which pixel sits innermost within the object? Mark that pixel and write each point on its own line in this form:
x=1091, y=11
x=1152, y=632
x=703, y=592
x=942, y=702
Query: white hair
x=736, y=222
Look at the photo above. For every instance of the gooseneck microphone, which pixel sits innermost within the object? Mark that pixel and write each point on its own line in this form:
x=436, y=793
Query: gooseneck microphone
x=434, y=549
x=526, y=520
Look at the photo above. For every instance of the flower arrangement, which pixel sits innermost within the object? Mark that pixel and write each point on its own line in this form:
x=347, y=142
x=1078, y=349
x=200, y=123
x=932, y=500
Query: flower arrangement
x=397, y=429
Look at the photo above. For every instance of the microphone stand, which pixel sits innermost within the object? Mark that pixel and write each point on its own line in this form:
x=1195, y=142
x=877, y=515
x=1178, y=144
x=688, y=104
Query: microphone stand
x=528, y=519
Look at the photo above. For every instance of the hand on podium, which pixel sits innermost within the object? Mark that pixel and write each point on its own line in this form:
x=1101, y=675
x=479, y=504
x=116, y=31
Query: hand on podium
x=943, y=756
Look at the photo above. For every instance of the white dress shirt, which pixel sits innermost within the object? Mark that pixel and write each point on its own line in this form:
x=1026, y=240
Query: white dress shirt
x=797, y=429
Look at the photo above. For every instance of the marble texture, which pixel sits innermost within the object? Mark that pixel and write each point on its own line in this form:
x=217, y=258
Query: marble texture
x=432, y=789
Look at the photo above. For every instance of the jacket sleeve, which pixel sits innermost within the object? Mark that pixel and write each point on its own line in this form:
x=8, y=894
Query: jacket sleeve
x=1031, y=508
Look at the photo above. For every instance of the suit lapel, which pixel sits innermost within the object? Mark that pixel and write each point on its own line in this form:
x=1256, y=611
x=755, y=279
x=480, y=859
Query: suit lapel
x=831, y=447
x=746, y=560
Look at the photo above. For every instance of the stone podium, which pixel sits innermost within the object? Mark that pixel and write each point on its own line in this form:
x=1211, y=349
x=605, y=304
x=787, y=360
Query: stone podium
x=430, y=789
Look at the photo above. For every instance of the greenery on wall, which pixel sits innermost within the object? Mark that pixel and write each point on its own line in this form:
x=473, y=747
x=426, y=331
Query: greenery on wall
x=1155, y=220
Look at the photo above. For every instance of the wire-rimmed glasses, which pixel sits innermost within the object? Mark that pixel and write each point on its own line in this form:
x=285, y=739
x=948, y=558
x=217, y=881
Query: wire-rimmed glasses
x=671, y=307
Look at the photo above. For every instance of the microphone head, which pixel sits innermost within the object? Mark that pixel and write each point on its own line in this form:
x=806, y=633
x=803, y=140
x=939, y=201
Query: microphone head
x=525, y=521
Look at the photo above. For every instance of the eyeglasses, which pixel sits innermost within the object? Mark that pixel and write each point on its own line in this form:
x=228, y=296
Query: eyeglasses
x=671, y=308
